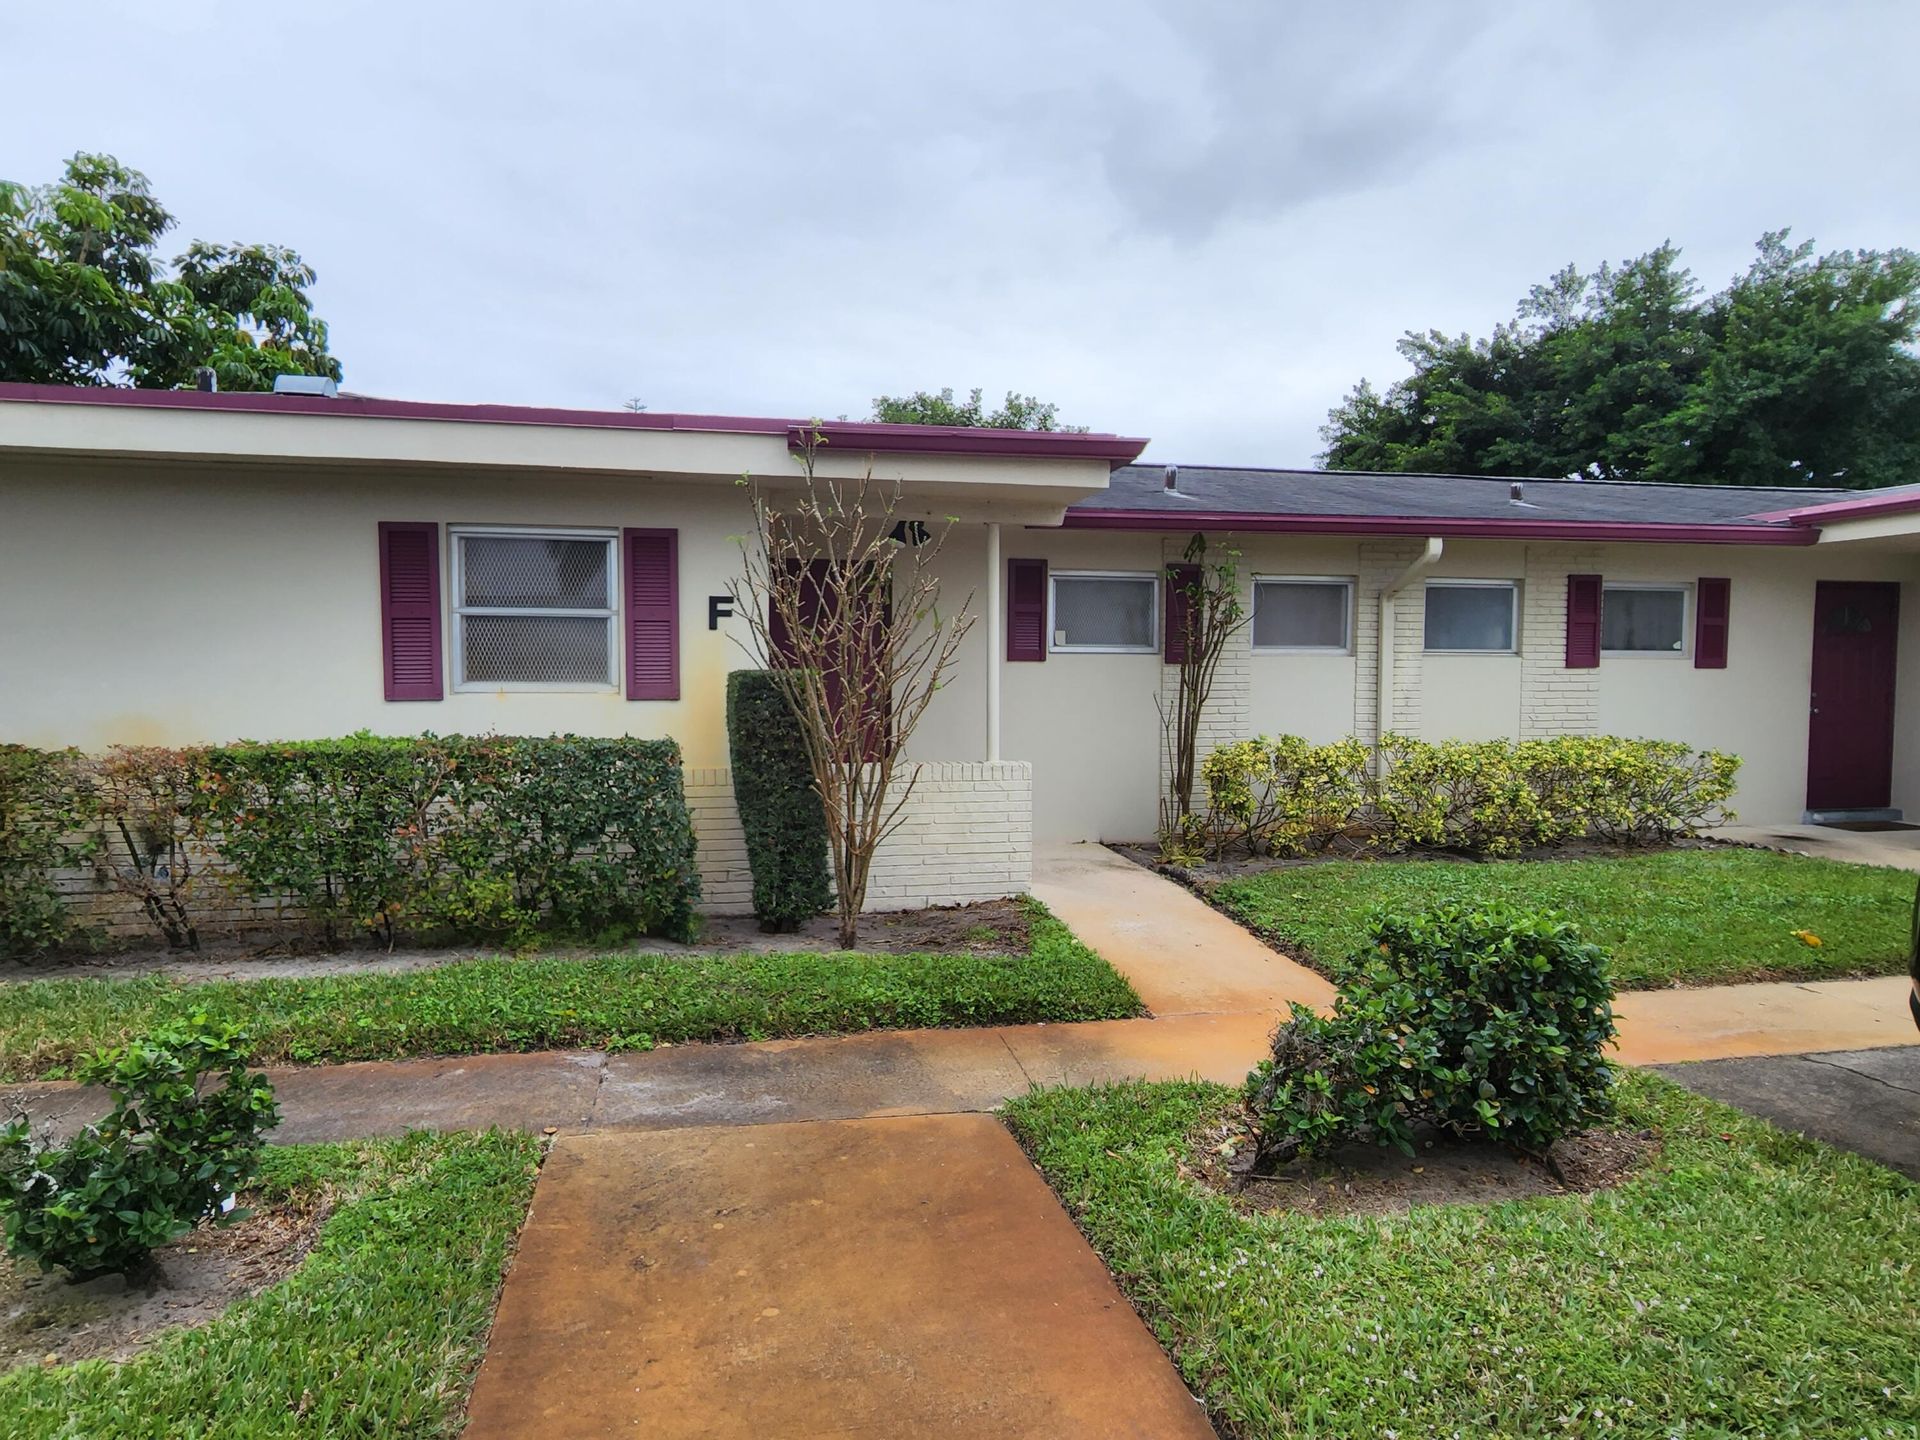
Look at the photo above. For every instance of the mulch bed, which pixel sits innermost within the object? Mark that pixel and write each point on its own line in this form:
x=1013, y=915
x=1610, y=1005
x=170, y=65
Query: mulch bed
x=987, y=927
x=1377, y=1180
x=47, y=1320
x=1203, y=876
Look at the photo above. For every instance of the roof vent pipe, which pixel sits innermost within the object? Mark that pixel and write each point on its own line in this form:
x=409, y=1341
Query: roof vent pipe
x=1171, y=480
x=205, y=379
x=1517, y=493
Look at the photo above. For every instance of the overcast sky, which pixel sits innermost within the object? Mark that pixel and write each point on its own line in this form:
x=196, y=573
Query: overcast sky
x=1195, y=220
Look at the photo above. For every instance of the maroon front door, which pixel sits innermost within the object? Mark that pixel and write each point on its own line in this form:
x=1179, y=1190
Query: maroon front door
x=1850, y=730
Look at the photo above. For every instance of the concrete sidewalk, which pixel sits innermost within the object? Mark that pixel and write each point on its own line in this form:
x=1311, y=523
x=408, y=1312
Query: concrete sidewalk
x=1215, y=990
x=1866, y=1101
x=875, y=1277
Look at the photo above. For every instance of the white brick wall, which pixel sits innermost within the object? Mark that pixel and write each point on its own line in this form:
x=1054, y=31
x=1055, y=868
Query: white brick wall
x=967, y=835
x=1553, y=699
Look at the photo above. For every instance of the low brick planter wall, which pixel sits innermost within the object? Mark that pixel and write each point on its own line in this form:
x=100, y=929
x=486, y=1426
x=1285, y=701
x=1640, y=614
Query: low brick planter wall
x=967, y=835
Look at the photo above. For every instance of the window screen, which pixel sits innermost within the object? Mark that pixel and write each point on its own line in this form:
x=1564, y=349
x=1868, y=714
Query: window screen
x=1475, y=616
x=1635, y=619
x=535, y=610
x=1103, y=612
x=1301, y=614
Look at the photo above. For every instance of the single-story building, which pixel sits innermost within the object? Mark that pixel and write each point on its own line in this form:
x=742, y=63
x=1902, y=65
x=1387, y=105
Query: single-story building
x=181, y=567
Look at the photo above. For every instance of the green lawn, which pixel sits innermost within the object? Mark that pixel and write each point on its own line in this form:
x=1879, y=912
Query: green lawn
x=1748, y=1283
x=618, y=1002
x=1692, y=917
x=377, y=1332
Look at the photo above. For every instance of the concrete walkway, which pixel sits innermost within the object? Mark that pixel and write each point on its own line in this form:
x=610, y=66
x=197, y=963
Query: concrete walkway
x=1899, y=849
x=907, y=1277
x=1182, y=955
x=825, y=1237
x=1215, y=990
x=1866, y=1101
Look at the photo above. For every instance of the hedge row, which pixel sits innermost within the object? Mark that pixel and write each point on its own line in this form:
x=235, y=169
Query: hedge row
x=491, y=839
x=1284, y=796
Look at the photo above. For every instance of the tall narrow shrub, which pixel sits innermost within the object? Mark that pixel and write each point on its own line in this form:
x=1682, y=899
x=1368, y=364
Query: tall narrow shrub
x=780, y=810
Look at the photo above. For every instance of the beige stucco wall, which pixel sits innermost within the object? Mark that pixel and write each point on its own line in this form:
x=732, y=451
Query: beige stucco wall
x=173, y=605
x=180, y=603
x=1087, y=720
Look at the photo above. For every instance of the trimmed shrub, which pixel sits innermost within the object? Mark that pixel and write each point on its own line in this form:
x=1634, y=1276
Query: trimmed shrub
x=146, y=798
x=1461, y=794
x=1284, y=796
x=343, y=828
x=1630, y=791
x=779, y=807
x=44, y=813
x=173, y=1151
x=591, y=836
x=1481, y=1020
x=491, y=838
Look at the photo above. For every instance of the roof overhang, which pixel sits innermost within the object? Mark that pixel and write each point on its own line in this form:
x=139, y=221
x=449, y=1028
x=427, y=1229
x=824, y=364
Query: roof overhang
x=1043, y=471
x=1453, y=527
x=1883, y=519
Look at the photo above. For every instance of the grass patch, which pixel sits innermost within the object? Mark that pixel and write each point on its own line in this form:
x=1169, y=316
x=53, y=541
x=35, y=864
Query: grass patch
x=377, y=1333
x=617, y=1002
x=1691, y=917
x=1748, y=1282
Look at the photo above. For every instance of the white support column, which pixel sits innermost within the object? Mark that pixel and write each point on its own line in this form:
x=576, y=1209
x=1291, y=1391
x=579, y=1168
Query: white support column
x=995, y=630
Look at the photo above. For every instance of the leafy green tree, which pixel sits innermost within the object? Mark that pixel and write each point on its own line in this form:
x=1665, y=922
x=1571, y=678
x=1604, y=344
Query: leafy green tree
x=1800, y=372
x=926, y=407
x=86, y=300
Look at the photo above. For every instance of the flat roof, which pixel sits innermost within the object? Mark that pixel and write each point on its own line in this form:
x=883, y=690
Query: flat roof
x=862, y=436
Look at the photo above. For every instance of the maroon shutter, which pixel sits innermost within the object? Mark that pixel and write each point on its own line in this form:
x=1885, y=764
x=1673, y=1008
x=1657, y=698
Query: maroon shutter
x=813, y=594
x=410, y=609
x=653, y=614
x=1712, y=602
x=1583, y=622
x=1180, y=583
x=1026, y=610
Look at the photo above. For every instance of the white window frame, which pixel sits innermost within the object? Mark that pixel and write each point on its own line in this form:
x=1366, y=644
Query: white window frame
x=1686, y=618
x=1345, y=582
x=457, y=589
x=1512, y=587
x=1054, y=577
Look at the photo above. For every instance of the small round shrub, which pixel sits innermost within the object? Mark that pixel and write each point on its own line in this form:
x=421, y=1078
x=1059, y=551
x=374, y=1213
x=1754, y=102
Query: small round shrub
x=1478, y=1019
x=174, y=1150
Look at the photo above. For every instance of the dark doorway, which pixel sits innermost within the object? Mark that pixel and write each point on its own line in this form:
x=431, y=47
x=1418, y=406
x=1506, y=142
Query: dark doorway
x=1850, y=730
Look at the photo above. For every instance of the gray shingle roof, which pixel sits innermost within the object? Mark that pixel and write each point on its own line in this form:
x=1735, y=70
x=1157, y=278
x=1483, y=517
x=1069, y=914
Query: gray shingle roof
x=1209, y=488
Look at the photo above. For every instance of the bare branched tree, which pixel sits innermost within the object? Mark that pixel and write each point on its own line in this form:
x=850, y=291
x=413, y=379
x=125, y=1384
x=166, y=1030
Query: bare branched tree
x=844, y=606
x=1205, y=616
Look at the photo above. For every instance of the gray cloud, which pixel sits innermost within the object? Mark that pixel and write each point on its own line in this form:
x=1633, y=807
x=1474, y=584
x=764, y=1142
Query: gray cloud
x=1201, y=222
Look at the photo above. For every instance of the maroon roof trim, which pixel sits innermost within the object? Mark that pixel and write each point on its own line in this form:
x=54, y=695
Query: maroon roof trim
x=1864, y=508
x=1167, y=522
x=852, y=435
x=1116, y=450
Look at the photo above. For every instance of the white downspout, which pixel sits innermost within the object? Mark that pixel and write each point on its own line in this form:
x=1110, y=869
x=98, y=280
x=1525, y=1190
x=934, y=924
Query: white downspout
x=995, y=629
x=1383, y=699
